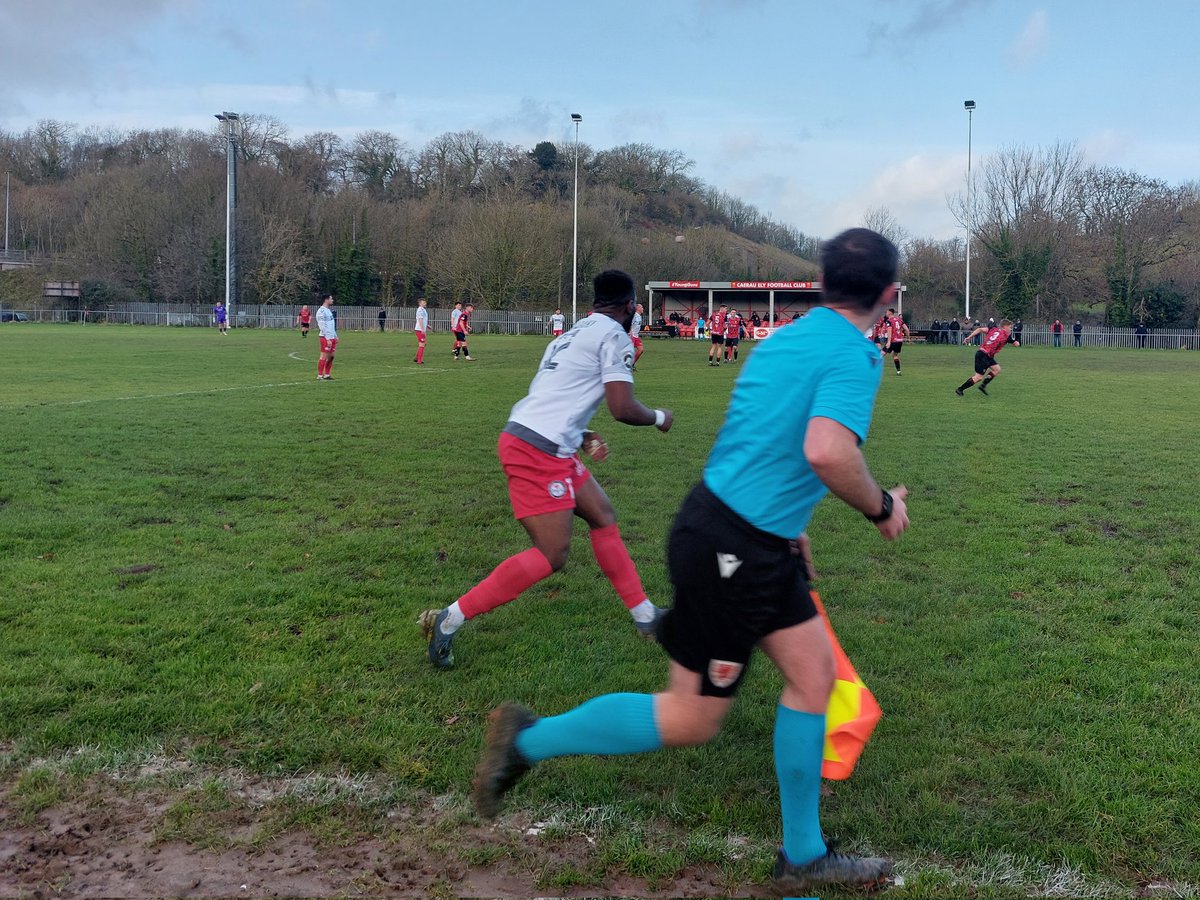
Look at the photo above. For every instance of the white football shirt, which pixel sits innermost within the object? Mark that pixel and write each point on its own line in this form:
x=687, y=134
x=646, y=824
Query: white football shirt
x=569, y=385
x=556, y=322
x=455, y=315
x=422, y=321
x=635, y=327
x=326, y=324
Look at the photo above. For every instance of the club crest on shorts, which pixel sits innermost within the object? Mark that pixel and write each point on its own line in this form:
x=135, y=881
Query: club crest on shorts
x=723, y=673
x=557, y=490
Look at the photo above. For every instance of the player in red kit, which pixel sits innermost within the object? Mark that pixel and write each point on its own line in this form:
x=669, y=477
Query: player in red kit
x=716, y=327
x=894, y=334
x=986, y=367
x=733, y=329
x=464, y=329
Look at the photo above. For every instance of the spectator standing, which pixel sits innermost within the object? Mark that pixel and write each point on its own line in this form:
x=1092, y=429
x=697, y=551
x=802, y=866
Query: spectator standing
x=955, y=330
x=1056, y=332
x=978, y=332
x=382, y=317
x=1018, y=331
x=936, y=328
x=1077, y=330
x=1142, y=331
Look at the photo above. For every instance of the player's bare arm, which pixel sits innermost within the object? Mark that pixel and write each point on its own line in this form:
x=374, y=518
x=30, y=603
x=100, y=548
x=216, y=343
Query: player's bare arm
x=625, y=407
x=833, y=453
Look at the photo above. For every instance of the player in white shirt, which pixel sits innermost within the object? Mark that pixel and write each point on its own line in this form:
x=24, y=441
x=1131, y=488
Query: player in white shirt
x=421, y=327
x=327, y=329
x=556, y=322
x=547, y=482
x=635, y=332
x=459, y=337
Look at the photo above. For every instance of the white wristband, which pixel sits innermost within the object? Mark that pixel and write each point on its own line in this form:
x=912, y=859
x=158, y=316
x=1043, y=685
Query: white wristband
x=659, y=418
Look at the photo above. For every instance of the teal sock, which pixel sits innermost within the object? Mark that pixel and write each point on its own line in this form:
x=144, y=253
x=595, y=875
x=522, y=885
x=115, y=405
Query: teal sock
x=799, y=747
x=608, y=725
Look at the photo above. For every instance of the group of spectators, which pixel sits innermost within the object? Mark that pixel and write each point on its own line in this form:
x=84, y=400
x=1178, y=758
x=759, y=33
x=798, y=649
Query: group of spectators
x=951, y=332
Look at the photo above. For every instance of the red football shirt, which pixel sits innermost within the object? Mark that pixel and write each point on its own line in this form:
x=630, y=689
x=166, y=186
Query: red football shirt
x=897, y=325
x=716, y=325
x=994, y=341
x=732, y=323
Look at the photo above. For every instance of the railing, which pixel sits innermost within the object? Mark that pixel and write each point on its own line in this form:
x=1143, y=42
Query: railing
x=349, y=318
x=1092, y=336
x=366, y=318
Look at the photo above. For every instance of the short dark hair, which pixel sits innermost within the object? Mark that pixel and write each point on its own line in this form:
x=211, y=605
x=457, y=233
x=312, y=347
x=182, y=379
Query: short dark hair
x=612, y=287
x=857, y=266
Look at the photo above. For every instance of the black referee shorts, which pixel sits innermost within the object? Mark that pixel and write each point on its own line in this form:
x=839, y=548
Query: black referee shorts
x=734, y=584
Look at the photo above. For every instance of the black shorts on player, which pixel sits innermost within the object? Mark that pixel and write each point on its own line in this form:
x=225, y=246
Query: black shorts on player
x=983, y=362
x=734, y=584
x=732, y=342
x=460, y=335
x=718, y=339
x=896, y=347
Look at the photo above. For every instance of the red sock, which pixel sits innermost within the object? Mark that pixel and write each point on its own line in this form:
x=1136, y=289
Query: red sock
x=320, y=367
x=420, y=353
x=615, y=563
x=329, y=365
x=507, y=581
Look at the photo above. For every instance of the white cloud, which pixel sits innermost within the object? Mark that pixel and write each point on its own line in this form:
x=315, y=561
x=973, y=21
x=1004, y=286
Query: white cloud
x=1030, y=45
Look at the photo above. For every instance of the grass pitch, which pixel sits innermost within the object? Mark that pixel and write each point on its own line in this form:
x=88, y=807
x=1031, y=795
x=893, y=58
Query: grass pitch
x=209, y=555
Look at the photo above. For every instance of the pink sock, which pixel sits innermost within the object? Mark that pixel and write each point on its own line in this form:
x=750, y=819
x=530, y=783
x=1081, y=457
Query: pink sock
x=507, y=581
x=615, y=563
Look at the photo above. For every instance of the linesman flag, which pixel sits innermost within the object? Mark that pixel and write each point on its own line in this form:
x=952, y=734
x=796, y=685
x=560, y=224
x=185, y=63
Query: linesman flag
x=852, y=714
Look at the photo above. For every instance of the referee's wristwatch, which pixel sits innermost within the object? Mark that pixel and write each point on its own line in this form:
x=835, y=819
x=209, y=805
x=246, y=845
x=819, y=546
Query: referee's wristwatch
x=885, y=514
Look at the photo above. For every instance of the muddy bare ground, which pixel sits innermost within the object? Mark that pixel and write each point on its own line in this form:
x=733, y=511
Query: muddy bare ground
x=109, y=839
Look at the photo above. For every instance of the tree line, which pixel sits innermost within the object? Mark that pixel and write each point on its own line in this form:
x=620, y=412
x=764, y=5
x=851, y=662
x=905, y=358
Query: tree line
x=140, y=215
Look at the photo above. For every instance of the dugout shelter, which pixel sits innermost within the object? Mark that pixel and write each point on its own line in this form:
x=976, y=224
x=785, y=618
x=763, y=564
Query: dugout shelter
x=772, y=300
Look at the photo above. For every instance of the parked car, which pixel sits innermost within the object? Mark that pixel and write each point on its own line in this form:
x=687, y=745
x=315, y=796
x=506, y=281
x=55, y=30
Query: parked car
x=7, y=315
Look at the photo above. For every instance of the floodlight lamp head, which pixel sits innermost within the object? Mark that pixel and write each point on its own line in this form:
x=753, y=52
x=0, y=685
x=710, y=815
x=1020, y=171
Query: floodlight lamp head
x=968, y=104
x=576, y=118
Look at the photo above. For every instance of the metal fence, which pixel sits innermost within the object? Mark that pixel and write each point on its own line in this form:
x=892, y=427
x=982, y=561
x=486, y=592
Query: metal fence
x=349, y=318
x=490, y=321
x=1093, y=336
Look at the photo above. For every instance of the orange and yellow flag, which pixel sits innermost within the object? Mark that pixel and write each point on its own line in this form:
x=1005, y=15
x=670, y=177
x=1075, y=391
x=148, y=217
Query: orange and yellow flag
x=852, y=714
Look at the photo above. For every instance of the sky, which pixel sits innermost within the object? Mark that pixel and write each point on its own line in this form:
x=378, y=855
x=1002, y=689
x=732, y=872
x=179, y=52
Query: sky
x=815, y=113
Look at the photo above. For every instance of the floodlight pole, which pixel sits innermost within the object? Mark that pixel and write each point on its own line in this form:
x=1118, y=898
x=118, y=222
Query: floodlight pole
x=7, y=191
x=576, y=118
x=231, y=122
x=969, y=106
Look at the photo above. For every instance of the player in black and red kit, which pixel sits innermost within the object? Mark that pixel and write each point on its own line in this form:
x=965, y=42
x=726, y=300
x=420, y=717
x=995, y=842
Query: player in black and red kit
x=716, y=327
x=733, y=330
x=894, y=334
x=986, y=367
